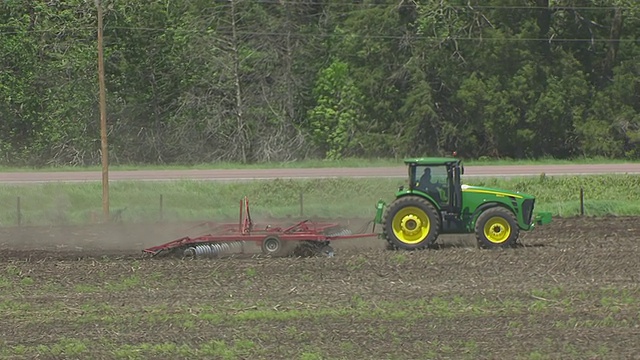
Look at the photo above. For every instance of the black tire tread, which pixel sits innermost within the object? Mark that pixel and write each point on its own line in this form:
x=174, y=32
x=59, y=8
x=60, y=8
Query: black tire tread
x=491, y=212
x=400, y=203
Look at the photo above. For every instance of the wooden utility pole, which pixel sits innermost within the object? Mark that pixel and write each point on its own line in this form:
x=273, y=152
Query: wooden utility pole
x=103, y=120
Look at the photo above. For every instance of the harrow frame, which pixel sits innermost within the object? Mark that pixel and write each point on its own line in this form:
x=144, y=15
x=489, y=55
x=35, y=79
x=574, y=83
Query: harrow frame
x=315, y=235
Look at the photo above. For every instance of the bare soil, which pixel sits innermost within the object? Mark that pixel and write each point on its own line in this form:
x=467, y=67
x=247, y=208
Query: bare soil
x=570, y=291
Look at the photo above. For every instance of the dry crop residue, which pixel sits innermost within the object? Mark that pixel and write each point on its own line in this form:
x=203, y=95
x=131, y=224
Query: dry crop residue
x=571, y=291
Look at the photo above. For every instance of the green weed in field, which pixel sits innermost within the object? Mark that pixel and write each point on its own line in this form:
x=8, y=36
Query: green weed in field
x=19, y=350
x=250, y=272
x=311, y=356
x=356, y=263
x=537, y=355
x=5, y=283
x=217, y=349
x=347, y=346
x=13, y=270
x=86, y=288
x=602, y=351
x=399, y=258
x=515, y=324
x=188, y=324
x=357, y=302
x=9, y=307
x=124, y=284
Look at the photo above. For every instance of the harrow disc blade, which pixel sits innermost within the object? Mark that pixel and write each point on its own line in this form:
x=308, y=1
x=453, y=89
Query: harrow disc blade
x=211, y=249
x=337, y=231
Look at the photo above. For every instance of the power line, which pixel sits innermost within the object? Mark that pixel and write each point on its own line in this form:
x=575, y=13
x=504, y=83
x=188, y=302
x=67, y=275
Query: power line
x=387, y=37
x=352, y=35
x=367, y=5
x=379, y=37
x=360, y=4
x=470, y=7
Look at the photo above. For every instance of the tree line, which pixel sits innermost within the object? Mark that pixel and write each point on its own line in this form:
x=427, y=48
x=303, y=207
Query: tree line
x=279, y=80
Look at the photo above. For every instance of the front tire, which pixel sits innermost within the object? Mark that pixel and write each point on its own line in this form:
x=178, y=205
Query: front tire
x=411, y=223
x=497, y=228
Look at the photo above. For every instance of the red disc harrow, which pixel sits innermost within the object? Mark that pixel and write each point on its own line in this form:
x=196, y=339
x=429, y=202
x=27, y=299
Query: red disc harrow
x=304, y=238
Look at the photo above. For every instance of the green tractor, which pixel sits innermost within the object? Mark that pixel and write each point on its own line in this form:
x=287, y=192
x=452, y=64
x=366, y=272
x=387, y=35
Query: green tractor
x=435, y=202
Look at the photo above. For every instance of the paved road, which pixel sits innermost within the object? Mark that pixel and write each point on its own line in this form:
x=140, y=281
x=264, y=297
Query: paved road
x=254, y=174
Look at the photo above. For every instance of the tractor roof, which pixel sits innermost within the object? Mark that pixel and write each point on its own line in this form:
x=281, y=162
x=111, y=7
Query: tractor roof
x=431, y=160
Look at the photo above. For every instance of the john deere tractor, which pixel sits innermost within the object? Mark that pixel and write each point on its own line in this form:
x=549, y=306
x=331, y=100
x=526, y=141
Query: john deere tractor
x=435, y=202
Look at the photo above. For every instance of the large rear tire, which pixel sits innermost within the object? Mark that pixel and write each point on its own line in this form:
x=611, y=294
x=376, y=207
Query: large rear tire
x=411, y=223
x=496, y=228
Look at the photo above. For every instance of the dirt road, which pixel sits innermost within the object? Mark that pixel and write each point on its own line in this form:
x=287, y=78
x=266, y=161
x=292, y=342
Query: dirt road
x=301, y=173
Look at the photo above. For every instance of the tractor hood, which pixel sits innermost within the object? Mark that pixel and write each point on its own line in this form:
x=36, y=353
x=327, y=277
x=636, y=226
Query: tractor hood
x=495, y=191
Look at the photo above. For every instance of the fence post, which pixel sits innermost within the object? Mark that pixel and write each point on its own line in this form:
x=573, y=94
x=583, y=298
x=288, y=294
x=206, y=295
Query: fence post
x=18, y=212
x=581, y=201
x=301, y=203
x=161, y=208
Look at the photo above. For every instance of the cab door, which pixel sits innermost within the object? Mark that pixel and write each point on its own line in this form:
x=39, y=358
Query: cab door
x=456, y=189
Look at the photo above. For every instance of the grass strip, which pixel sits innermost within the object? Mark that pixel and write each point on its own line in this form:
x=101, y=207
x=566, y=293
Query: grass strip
x=73, y=203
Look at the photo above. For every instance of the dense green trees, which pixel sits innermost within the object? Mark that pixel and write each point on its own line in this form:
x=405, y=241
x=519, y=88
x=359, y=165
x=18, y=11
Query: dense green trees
x=249, y=80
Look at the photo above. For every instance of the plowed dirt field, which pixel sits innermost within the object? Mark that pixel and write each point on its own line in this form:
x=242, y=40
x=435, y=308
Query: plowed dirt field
x=571, y=291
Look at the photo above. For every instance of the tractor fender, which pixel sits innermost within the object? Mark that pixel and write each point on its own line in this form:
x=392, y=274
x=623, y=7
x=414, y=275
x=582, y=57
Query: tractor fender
x=421, y=194
x=482, y=208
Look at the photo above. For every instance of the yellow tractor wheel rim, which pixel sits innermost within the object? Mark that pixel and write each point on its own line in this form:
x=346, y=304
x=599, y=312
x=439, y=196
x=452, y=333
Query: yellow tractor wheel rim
x=497, y=230
x=411, y=225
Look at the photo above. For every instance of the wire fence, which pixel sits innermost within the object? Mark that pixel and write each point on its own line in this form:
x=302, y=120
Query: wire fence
x=28, y=213
x=161, y=211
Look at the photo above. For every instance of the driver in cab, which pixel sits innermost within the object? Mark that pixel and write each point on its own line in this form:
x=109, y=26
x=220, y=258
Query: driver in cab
x=427, y=186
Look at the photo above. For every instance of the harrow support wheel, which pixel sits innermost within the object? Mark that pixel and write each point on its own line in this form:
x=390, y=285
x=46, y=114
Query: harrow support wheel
x=497, y=228
x=411, y=223
x=274, y=246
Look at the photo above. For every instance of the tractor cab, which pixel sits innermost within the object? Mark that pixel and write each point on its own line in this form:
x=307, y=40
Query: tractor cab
x=439, y=178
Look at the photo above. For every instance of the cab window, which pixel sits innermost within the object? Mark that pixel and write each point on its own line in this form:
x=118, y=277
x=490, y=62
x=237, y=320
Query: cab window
x=434, y=181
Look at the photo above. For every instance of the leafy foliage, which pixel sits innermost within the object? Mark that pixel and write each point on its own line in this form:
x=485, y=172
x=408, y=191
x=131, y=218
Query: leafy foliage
x=251, y=81
x=338, y=109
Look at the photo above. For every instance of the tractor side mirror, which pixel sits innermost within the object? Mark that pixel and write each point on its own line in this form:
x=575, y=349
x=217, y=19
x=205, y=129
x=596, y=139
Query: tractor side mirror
x=461, y=169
